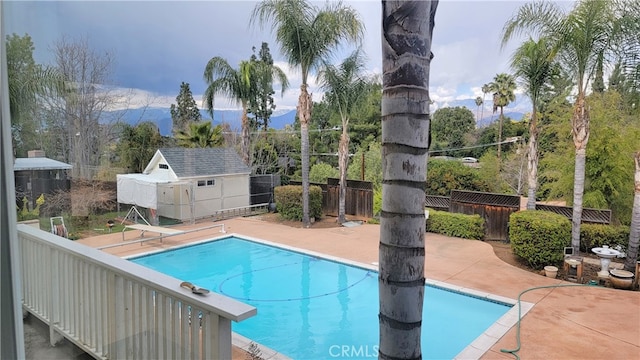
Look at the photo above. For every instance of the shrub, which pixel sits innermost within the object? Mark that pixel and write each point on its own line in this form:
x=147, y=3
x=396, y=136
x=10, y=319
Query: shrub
x=444, y=176
x=539, y=237
x=289, y=201
x=319, y=173
x=458, y=225
x=377, y=201
x=594, y=235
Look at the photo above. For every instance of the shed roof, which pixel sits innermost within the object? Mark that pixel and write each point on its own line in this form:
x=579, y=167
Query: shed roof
x=204, y=162
x=39, y=163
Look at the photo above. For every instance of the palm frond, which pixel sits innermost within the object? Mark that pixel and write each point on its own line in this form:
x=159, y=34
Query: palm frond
x=535, y=18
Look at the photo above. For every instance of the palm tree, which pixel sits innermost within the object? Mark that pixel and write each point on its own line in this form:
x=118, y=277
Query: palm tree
x=200, y=135
x=579, y=37
x=405, y=144
x=345, y=89
x=236, y=85
x=485, y=90
x=306, y=35
x=634, y=234
x=503, y=87
x=27, y=83
x=479, y=103
x=533, y=66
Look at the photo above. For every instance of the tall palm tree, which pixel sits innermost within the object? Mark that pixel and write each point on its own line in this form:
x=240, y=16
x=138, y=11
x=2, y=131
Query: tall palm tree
x=345, y=89
x=28, y=82
x=306, y=35
x=479, y=103
x=236, y=84
x=200, y=135
x=485, y=90
x=634, y=234
x=533, y=66
x=405, y=143
x=579, y=37
x=503, y=87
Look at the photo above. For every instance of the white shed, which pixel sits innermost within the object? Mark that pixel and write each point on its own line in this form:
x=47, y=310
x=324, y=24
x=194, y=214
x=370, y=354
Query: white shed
x=188, y=184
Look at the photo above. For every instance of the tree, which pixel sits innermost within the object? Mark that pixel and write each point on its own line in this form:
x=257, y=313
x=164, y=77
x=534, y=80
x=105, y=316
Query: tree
x=223, y=79
x=405, y=145
x=200, y=135
x=186, y=111
x=81, y=125
x=261, y=104
x=138, y=144
x=27, y=81
x=449, y=126
x=240, y=85
x=485, y=90
x=580, y=37
x=533, y=66
x=479, y=103
x=306, y=35
x=503, y=88
x=634, y=234
x=345, y=88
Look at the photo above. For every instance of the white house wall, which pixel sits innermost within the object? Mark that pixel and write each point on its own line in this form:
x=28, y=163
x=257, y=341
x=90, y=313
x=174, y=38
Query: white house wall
x=236, y=191
x=176, y=201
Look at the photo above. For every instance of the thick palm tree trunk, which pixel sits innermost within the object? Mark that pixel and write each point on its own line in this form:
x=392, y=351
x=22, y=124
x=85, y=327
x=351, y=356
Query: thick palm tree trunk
x=304, y=114
x=245, y=136
x=634, y=234
x=343, y=161
x=405, y=142
x=580, y=130
x=532, y=162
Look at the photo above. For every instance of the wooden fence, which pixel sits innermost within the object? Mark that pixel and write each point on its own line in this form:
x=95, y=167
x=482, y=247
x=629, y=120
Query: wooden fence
x=358, y=199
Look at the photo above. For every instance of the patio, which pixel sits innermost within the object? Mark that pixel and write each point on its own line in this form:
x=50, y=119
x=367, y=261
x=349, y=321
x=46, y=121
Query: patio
x=565, y=323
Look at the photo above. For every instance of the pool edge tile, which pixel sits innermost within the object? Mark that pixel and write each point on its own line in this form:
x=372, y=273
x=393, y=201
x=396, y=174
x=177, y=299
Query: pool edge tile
x=266, y=353
x=496, y=331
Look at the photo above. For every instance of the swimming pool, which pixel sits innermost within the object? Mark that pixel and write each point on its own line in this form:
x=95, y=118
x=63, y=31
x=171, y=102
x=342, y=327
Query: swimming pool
x=314, y=308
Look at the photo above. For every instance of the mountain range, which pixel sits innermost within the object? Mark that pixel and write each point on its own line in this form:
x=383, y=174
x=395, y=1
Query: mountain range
x=282, y=118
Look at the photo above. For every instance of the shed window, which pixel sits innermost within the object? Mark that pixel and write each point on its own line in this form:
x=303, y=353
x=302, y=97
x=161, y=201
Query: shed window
x=208, y=182
x=163, y=166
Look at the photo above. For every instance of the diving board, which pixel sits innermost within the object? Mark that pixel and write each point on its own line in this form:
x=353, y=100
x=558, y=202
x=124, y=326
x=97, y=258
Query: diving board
x=156, y=229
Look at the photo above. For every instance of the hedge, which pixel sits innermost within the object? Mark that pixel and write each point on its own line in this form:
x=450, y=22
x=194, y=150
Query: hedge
x=539, y=237
x=457, y=225
x=289, y=201
x=595, y=235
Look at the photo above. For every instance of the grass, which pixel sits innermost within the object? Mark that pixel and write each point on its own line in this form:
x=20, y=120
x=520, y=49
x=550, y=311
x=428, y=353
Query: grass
x=79, y=225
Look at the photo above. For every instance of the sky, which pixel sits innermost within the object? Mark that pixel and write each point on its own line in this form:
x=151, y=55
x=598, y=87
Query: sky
x=159, y=44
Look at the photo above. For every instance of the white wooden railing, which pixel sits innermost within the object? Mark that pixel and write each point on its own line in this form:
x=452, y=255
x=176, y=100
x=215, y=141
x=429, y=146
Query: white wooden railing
x=115, y=309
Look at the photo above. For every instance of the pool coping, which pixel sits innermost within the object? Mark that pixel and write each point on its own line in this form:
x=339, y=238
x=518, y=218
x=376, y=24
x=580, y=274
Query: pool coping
x=475, y=350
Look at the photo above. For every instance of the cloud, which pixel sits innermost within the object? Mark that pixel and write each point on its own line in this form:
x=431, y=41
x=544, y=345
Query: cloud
x=159, y=44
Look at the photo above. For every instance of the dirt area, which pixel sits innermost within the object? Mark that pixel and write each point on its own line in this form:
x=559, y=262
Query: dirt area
x=501, y=249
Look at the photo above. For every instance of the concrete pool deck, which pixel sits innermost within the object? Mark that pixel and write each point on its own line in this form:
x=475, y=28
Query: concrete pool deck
x=565, y=323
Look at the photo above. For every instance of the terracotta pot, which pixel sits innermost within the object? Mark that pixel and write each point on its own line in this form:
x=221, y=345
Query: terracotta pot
x=621, y=279
x=551, y=271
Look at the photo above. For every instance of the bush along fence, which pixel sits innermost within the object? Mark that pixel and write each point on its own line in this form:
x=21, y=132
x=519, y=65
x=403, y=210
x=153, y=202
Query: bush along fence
x=289, y=202
x=454, y=224
x=539, y=237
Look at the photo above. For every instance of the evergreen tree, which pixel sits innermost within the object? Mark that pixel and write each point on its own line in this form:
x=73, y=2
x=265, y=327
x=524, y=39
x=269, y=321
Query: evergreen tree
x=261, y=105
x=186, y=111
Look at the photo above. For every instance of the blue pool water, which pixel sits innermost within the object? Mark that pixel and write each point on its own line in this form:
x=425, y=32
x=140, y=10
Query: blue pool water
x=312, y=308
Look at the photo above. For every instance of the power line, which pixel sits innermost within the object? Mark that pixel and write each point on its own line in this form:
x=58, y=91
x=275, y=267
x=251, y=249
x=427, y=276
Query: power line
x=507, y=141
